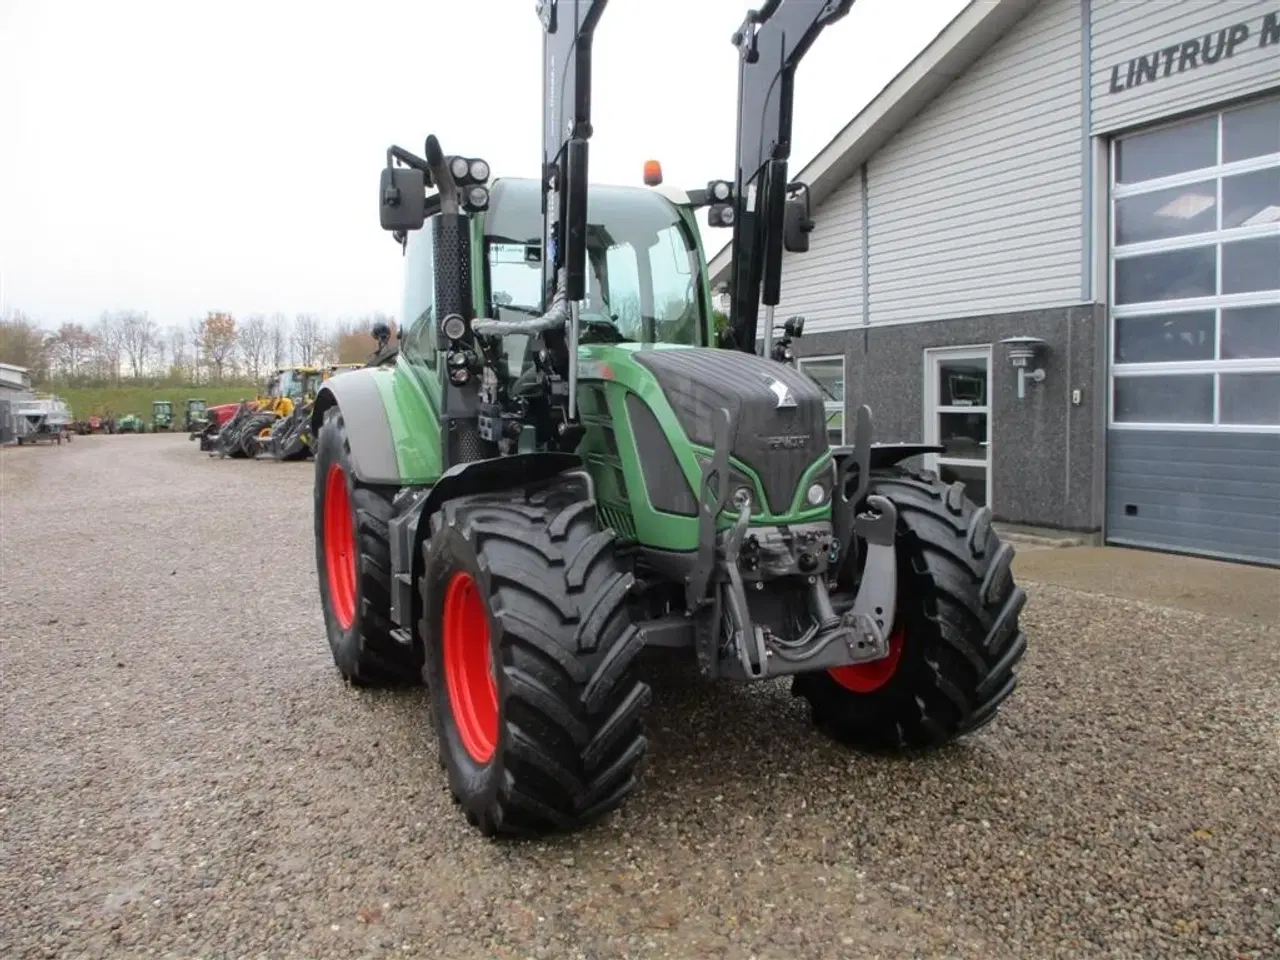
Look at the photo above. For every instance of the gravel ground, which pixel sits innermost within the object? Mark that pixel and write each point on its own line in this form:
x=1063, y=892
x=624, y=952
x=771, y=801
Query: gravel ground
x=185, y=775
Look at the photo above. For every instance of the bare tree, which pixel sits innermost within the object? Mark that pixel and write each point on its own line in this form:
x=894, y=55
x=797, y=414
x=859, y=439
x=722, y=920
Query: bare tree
x=255, y=343
x=137, y=338
x=25, y=344
x=178, y=350
x=196, y=328
x=279, y=339
x=308, y=339
x=71, y=349
x=109, y=345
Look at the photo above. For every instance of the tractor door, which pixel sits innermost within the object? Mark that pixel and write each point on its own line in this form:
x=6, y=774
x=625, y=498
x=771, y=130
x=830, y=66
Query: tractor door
x=419, y=348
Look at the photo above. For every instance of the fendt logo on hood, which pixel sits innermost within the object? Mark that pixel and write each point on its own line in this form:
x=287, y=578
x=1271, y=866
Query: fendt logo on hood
x=785, y=398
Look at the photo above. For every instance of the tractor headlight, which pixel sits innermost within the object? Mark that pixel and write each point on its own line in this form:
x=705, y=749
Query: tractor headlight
x=479, y=171
x=741, y=497
x=719, y=190
x=817, y=494
x=454, y=327
x=478, y=197
x=458, y=166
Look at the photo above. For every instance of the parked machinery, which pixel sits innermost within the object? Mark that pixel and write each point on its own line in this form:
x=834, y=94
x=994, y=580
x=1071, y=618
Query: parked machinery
x=131, y=423
x=233, y=429
x=195, y=416
x=291, y=437
x=564, y=464
x=161, y=415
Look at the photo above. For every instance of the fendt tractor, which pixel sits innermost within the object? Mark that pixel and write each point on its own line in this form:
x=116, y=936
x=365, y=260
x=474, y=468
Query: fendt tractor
x=564, y=464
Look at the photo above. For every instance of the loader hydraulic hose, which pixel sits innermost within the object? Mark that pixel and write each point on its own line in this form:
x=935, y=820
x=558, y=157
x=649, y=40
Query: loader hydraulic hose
x=555, y=317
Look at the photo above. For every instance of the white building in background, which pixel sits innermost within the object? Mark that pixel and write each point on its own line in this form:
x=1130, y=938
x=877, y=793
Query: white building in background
x=1103, y=176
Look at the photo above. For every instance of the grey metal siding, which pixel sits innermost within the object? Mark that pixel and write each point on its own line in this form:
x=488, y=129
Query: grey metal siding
x=825, y=284
x=1214, y=494
x=975, y=207
x=1125, y=30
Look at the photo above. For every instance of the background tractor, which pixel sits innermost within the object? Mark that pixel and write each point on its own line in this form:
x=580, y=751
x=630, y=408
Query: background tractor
x=162, y=415
x=195, y=417
x=131, y=423
x=565, y=464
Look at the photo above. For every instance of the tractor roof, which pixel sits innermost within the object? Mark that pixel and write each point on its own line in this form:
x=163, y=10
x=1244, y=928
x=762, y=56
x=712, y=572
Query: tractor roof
x=515, y=207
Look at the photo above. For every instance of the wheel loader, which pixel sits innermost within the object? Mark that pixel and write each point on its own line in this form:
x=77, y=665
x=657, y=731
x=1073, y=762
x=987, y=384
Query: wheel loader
x=290, y=437
x=565, y=465
x=237, y=430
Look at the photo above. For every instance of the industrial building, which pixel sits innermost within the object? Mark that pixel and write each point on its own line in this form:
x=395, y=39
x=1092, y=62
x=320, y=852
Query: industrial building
x=1089, y=188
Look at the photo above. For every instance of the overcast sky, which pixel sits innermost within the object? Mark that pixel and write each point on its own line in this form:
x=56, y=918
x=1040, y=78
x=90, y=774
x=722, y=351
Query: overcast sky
x=178, y=157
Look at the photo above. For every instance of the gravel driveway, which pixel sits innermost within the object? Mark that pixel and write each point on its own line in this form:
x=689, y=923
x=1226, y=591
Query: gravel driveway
x=185, y=775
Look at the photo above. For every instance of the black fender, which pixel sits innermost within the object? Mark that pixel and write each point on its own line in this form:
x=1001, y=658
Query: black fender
x=410, y=525
x=887, y=454
x=497, y=473
x=373, y=448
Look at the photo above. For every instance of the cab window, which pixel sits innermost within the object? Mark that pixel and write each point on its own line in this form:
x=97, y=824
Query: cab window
x=418, y=307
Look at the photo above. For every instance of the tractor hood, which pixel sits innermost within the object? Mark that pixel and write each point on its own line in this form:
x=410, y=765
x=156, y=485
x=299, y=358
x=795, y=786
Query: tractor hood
x=778, y=422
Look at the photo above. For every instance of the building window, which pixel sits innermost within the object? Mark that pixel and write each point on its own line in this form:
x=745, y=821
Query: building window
x=1195, y=272
x=957, y=416
x=828, y=374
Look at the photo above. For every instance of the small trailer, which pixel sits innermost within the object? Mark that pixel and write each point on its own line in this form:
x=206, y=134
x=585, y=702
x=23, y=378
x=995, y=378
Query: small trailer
x=42, y=417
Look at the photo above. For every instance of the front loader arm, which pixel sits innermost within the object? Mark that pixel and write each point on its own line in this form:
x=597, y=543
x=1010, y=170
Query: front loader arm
x=568, y=30
x=771, y=43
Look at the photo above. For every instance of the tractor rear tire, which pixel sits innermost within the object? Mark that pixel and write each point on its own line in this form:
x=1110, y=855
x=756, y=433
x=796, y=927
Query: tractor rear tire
x=956, y=640
x=530, y=650
x=353, y=561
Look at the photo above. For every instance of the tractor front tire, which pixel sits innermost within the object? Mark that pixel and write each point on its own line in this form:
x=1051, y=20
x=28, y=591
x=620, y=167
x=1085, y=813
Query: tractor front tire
x=249, y=433
x=529, y=656
x=353, y=560
x=956, y=639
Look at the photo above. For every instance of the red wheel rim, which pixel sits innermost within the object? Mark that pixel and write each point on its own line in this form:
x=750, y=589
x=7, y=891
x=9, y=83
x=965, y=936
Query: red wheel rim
x=870, y=677
x=468, y=668
x=340, y=547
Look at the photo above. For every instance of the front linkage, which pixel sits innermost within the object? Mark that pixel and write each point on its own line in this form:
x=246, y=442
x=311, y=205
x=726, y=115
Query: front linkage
x=741, y=560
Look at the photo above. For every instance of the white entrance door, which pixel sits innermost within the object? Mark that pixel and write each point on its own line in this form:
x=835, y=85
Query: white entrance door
x=957, y=416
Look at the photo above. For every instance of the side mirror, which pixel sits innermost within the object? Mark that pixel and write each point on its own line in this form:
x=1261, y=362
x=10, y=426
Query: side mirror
x=402, y=199
x=796, y=225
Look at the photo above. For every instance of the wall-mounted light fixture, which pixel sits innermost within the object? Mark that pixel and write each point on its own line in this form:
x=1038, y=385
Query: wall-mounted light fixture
x=1023, y=350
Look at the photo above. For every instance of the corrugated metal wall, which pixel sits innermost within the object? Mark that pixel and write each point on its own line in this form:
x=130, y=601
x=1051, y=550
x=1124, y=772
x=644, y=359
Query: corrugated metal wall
x=825, y=284
x=975, y=207
x=1153, y=58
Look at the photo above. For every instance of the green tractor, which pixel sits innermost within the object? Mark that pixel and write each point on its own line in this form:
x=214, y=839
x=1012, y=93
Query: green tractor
x=564, y=465
x=131, y=423
x=161, y=415
x=195, y=417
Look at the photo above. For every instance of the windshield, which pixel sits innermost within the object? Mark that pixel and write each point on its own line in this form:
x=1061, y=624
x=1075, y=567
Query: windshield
x=642, y=270
x=291, y=384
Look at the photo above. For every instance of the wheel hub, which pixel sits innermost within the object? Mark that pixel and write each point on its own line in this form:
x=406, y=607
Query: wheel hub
x=340, y=547
x=468, y=668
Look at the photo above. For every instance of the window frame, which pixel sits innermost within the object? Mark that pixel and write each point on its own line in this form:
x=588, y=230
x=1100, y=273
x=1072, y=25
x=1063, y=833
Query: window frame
x=1217, y=302
x=430, y=357
x=831, y=406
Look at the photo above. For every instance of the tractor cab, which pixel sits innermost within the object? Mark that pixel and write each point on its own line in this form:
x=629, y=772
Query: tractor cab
x=195, y=413
x=161, y=415
x=645, y=280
